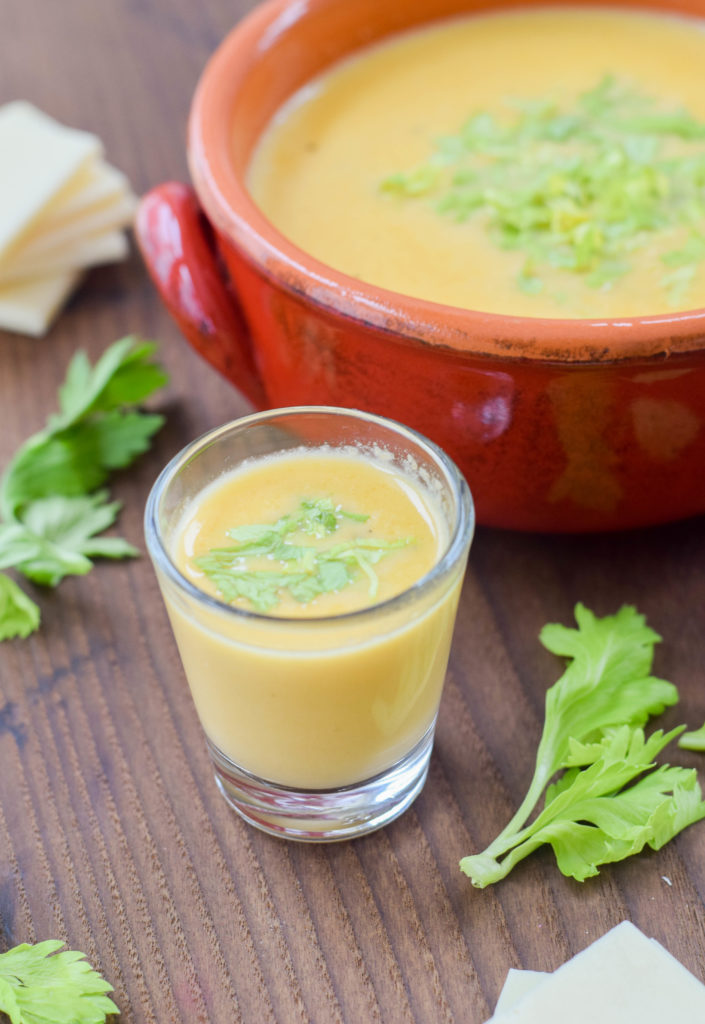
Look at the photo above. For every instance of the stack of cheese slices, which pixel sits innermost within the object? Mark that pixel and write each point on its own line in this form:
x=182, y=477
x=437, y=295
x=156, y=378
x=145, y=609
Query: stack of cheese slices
x=62, y=209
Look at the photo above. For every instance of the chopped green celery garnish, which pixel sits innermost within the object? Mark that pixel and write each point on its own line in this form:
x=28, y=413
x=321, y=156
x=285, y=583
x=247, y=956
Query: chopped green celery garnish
x=300, y=569
x=577, y=189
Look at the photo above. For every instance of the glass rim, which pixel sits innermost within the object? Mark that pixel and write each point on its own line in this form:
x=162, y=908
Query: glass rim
x=461, y=535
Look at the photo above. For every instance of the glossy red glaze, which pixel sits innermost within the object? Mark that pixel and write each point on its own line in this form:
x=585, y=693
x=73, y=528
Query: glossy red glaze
x=178, y=247
x=559, y=425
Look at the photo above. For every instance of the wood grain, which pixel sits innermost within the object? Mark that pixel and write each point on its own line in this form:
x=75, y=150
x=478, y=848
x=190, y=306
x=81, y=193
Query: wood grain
x=112, y=834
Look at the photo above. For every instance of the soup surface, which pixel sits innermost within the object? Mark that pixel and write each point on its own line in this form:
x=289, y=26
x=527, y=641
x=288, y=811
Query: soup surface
x=407, y=165
x=310, y=535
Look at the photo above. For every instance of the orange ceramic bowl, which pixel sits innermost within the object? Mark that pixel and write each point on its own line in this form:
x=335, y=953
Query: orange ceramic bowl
x=559, y=425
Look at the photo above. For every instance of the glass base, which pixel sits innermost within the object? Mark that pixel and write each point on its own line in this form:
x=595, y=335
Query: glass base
x=325, y=815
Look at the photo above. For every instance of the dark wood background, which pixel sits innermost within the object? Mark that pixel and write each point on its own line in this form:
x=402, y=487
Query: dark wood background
x=112, y=834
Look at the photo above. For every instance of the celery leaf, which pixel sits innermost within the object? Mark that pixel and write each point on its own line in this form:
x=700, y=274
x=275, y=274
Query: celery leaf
x=694, y=740
x=63, y=531
x=19, y=615
x=610, y=800
x=96, y=431
x=39, y=984
x=51, y=507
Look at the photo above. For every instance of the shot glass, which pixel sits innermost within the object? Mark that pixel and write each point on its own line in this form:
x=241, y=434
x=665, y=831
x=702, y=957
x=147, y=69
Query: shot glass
x=319, y=728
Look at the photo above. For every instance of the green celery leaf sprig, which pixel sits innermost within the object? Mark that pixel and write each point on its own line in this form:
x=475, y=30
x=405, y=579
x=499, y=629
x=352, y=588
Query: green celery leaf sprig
x=52, y=503
x=611, y=801
x=577, y=189
x=301, y=570
x=39, y=984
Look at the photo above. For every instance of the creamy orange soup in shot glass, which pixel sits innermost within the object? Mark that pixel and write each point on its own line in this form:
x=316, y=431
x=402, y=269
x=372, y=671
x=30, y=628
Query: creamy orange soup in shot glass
x=311, y=561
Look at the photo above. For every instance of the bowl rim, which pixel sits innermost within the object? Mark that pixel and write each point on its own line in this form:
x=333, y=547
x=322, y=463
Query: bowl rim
x=459, y=540
x=234, y=214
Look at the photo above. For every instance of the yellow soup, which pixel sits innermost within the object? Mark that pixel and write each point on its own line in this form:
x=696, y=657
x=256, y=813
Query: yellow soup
x=541, y=163
x=300, y=693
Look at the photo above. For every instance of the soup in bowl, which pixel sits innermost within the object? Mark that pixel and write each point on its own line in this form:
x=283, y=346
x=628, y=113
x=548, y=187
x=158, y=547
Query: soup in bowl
x=435, y=211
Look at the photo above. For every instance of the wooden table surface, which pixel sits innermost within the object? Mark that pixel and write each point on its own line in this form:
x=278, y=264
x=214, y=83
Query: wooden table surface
x=112, y=834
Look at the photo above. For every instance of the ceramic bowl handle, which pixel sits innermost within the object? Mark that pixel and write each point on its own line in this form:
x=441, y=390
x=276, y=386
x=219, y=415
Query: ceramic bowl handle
x=178, y=247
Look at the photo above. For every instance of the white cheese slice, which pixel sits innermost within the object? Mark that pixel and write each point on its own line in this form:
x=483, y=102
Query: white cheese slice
x=97, y=192
x=104, y=248
x=622, y=978
x=92, y=223
x=39, y=159
x=28, y=307
x=96, y=185
x=517, y=985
